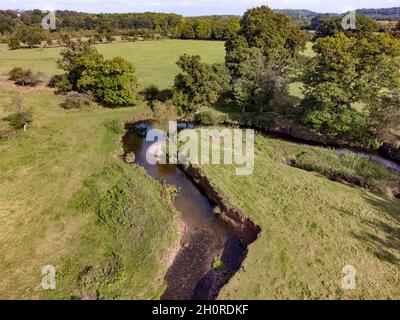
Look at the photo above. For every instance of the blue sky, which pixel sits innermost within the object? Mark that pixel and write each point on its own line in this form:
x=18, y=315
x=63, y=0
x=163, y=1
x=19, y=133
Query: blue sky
x=196, y=7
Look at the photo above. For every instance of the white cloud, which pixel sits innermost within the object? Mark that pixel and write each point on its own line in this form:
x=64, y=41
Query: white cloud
x=195, y=7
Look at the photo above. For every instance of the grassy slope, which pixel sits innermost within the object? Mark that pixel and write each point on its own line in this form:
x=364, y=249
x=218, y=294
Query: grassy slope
x=154, y=60
x=66, y=155
x=311, y=228
x=40, y=171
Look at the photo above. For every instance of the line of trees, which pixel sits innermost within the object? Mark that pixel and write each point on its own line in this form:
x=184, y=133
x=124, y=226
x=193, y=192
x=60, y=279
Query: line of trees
x=171, y=25
x=351, y=85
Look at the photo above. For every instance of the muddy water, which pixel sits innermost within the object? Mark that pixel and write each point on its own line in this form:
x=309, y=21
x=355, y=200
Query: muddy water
x=206, y=237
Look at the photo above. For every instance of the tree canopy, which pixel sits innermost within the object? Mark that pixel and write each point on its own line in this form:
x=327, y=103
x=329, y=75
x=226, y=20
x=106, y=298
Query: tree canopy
x=111, y=81
x=332, y=26
x=347, y=72
x=198, y=84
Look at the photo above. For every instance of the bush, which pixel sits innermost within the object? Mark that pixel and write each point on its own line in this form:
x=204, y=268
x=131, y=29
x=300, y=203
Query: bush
x=24, y=77
x=20, y=120
x=19, y=117
x=14, y=43
x=76, y=100
x=115, y=126
x=60, y=82
x=209, y=118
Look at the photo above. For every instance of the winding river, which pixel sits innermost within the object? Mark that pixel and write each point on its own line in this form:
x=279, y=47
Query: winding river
x=206, y=237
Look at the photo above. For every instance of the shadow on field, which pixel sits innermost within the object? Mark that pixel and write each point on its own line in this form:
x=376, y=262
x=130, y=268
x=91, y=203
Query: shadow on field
x=387, y=239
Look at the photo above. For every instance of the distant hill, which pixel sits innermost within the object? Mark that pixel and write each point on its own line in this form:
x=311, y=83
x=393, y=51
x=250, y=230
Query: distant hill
x=382, y=14
x=298, y=13
x=377, y=14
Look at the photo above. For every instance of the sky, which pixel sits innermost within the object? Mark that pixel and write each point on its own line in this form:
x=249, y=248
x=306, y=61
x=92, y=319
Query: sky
x=196, y=7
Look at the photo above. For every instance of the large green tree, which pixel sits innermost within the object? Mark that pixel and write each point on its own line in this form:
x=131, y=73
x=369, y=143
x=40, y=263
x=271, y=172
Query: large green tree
x=272, y=33
x=363, y=27
x=198, y=84
x=111, y=81
x=346, y=71
x=266, y=43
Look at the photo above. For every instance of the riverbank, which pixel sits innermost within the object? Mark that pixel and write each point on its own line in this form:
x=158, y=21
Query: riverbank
x=213, y=246
x=311, y=228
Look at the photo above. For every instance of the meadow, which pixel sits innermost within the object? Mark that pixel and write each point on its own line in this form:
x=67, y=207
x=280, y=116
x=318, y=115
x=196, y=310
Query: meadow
x=311, y=228
x=67, y=200
x=155, y=61
x=66, y=157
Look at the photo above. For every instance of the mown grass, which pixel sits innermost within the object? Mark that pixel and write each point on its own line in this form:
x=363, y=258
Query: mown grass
x=155, y=61
x=311, y=227
x=45, y=218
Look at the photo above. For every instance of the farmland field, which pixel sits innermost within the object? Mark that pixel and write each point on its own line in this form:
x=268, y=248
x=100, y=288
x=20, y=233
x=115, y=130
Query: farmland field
x=155, y=61
x=61, y=179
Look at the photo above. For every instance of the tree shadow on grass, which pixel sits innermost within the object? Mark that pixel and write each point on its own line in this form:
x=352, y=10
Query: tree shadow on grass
x=385, y=241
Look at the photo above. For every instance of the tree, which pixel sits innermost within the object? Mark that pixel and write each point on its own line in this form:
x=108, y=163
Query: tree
x=19, y=118
x=30, y=35
x=14, y=43
x=348, y=70
x=24, y=77
x=271, y=92
x=272, y=33
x=198, y=84
x=111, y=81
x=332, y=26
x=246, y=74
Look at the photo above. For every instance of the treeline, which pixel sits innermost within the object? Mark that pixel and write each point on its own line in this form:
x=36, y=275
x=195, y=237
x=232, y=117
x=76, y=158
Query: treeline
x=381, y=14
x=167, y=25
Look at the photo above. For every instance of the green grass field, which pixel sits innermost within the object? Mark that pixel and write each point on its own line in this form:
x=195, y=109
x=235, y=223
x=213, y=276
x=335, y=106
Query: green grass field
x=311, y=228
x=67, y=201
x=155, y=60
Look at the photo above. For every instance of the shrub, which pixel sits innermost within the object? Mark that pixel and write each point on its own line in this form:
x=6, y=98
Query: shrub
x=24, y=77
x=115, y=126
x=76, y=100
x=19, y=117
x=209, y=118
x=13, y=43
x=20, y=120
x=60, y=82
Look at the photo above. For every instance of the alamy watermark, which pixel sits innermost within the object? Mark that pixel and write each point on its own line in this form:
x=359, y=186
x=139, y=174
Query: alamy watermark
x=349, y=280
x=48, y=277
x=49, y=20
x=349, y=21
x=202, y=146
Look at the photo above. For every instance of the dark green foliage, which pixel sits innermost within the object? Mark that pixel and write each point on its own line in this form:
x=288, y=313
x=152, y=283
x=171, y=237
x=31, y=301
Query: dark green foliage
x=29, y=35
x=265, y=44
x=24, y=77
x=146, y=25
x=111, y=81
x=345, y=71
x=332, y=26
x=197, y=85
x=14, y=43
x=272, y=33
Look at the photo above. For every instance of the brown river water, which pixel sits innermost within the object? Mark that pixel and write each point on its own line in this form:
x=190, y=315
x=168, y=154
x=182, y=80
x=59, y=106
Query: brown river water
x=206, y=237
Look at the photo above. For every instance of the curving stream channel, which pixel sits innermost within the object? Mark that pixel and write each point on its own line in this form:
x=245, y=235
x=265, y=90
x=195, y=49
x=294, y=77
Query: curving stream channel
x=206, y=236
